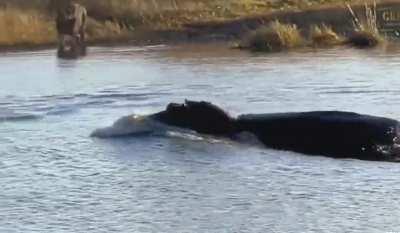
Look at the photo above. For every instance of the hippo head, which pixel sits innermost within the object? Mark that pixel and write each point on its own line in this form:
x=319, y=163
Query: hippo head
x=202, y=117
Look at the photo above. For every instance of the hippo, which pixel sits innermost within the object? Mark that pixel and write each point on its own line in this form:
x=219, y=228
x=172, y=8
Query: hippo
x=71, y=24
x=333, y=134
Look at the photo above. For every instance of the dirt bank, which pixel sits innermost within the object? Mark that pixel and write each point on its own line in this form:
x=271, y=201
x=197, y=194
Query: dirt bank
x=336, y=16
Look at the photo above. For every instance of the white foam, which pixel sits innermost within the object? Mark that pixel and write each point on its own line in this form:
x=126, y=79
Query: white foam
x=185, y=134
x=141, y=124
x=248, y=138
x=129, y=125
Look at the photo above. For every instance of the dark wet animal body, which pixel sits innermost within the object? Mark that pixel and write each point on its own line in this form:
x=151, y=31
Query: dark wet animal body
x=362, y=40
x=70, y=47
x=330, y=133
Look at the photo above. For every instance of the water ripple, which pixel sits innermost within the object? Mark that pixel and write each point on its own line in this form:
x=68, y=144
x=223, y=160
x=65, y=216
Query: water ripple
x=54, y=178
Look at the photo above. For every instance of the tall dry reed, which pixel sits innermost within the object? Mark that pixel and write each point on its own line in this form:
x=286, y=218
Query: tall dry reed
x=368, y=23
x=366, y=31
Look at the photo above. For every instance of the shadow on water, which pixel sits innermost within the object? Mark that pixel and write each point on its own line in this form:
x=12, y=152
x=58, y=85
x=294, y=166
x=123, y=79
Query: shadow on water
x=67, y=63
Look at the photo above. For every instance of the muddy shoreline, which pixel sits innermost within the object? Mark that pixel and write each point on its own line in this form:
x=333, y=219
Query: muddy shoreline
x=147, y=38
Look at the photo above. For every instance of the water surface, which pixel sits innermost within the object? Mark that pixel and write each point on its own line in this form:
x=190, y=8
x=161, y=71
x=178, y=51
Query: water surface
x=55, y=178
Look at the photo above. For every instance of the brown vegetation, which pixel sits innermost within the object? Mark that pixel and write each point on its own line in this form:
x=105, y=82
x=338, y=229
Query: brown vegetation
x=115, y=20
x=274, y=37
x=366, y=32
x=28, y=27
x=106, y=31
x=322, y=36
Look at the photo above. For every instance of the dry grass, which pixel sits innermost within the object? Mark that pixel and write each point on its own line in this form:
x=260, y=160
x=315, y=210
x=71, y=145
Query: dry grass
x=25, y=27
x=274, y=37
x=176, y=13
x=115, y=19
x=167, y=14
x=366, y=32
x=278, y=36
x=366, y=23
x=288, y=33
x=33, y=27
x=105, y=31
x=322, y=36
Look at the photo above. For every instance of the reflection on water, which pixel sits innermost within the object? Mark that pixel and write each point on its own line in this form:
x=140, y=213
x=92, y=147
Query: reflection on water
x=55, y=178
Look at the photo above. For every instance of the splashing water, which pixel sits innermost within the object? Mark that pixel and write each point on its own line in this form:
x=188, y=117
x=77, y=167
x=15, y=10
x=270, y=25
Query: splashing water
x=130, y=125
x=137, y=125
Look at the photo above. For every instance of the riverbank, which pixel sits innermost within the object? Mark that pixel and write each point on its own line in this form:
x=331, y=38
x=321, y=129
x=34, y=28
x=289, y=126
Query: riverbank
x=29, y=27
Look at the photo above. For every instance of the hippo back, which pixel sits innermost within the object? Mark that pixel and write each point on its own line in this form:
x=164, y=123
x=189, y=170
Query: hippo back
x=332, y=133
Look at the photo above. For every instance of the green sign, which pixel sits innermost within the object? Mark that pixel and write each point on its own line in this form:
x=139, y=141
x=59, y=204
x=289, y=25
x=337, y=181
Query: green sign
x=388, y=20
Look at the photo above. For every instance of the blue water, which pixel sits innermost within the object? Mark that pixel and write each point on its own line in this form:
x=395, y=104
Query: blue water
x=55, y=178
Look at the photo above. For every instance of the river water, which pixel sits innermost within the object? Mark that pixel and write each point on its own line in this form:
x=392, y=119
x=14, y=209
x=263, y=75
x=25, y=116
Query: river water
x=54, y=177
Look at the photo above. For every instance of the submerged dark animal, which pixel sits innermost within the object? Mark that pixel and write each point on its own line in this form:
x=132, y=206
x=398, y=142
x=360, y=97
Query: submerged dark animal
x=70, y=47
x=363, y=39
x=71, y=25
x=330, y=133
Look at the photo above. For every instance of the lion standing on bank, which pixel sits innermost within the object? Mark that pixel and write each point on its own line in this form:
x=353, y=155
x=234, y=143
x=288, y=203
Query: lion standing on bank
x=71, y=25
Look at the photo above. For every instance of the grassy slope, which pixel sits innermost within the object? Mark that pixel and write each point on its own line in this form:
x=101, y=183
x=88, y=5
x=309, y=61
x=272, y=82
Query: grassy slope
x=25, y=27
x=31, y=22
